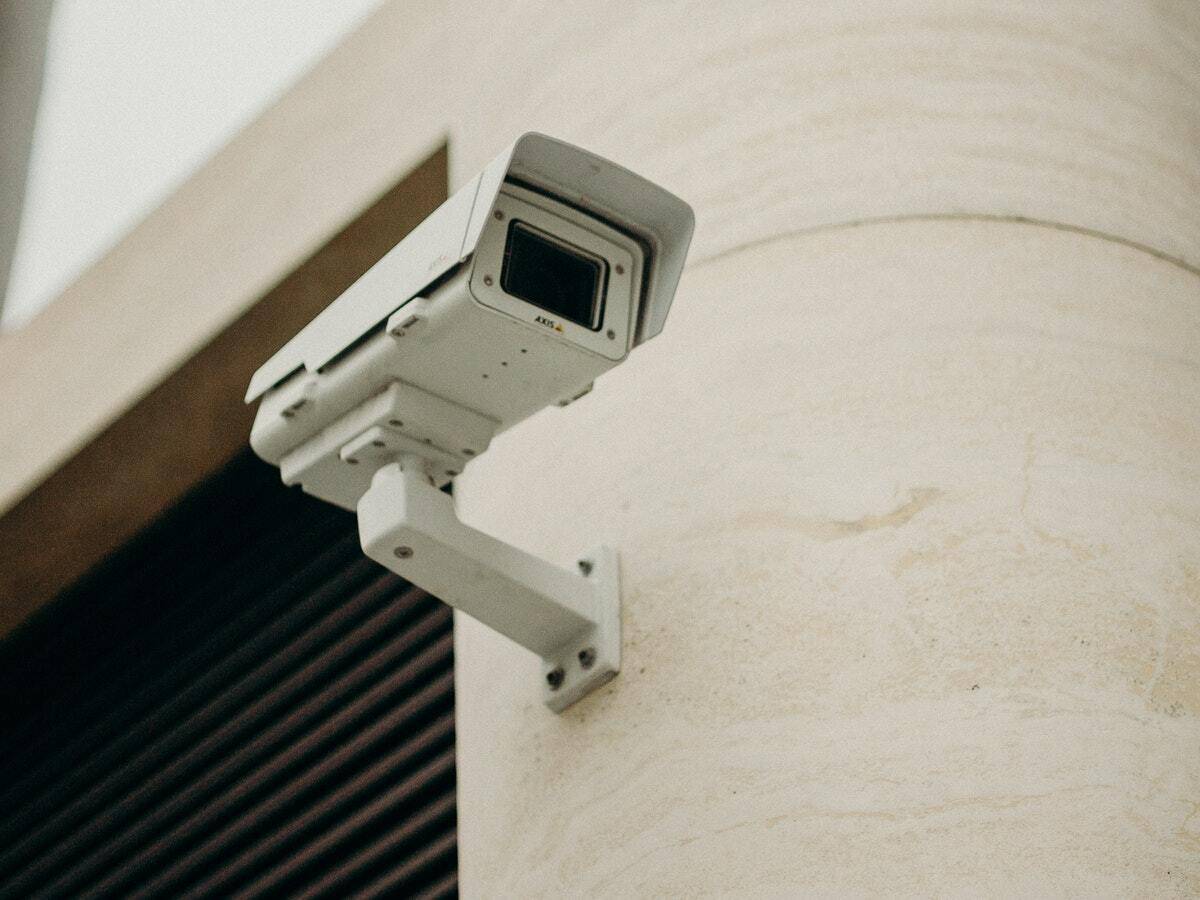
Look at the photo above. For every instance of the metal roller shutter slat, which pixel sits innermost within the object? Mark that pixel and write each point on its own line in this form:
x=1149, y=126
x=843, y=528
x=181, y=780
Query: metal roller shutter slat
x=237, y=703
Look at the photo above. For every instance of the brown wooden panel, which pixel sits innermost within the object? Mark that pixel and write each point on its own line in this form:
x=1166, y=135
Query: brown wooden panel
x=191, y=424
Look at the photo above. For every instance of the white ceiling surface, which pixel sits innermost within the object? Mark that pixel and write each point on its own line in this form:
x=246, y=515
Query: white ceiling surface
x=137, y=95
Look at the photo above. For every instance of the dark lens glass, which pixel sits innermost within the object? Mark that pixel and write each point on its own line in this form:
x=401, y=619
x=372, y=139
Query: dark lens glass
x=550, y=275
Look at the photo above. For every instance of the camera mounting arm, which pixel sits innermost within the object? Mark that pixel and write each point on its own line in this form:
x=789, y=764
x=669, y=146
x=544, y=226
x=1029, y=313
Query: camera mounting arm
x=571, y=620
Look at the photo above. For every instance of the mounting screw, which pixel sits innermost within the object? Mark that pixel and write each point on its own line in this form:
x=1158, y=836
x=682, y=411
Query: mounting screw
x=395, y=423
x=403, y=552
x=499, y=216
x=352, y=461
x=587, y=657
x=555, y=677
x=586, y=566
x=612, y=335
x=620, y=269
x=487, y=279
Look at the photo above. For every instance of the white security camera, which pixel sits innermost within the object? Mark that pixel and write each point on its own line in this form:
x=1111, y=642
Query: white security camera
x=538, y=276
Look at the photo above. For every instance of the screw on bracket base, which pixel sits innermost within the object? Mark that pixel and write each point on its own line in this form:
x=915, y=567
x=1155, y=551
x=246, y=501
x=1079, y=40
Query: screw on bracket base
x=593, y=658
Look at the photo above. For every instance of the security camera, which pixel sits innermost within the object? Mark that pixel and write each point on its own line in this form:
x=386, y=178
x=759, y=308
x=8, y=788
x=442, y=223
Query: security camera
x=536, y=277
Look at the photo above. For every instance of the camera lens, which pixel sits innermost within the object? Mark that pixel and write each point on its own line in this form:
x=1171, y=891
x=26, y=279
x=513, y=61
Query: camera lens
x=553, y=276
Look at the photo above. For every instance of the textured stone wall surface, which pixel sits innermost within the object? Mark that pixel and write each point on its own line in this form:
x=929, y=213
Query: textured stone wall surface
x=907, y=493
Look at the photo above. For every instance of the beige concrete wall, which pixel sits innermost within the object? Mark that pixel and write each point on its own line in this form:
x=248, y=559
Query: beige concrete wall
x=911, y=582
x=908, y=493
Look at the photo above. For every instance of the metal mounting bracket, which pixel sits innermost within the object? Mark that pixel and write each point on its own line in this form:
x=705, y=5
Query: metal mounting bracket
x=572, y=620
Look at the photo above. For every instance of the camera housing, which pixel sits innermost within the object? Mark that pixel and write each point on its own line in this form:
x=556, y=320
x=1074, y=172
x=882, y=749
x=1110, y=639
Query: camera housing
x=536, y=277
x=429, y=347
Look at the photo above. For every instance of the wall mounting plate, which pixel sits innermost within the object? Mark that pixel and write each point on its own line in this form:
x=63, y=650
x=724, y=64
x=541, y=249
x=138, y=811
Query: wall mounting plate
x=593, y=659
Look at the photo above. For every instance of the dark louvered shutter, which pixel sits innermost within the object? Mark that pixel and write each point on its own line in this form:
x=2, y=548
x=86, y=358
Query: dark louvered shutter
x=237, y=704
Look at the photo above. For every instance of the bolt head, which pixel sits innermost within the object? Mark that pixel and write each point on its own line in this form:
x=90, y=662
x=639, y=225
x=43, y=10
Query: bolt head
x=587, y=657
x=403, y=552
x=555, y=678
x=586, y=566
